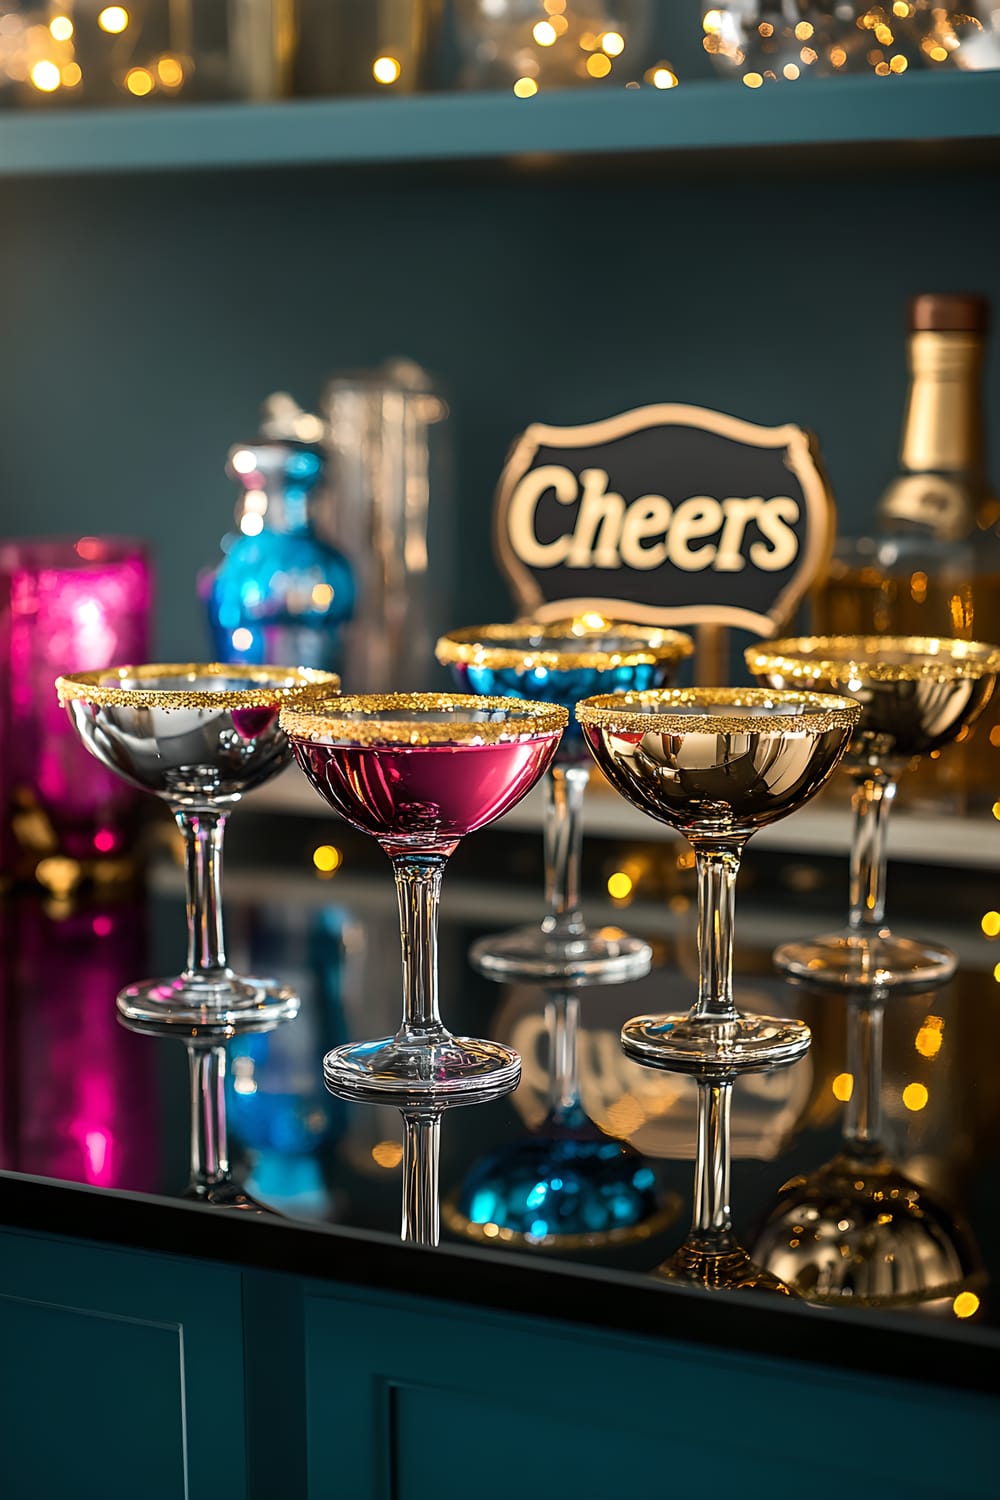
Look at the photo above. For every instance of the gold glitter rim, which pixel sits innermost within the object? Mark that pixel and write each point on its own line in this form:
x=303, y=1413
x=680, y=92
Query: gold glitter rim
x=486, y=646
x=262, y=691
x=615, y=711
x=856, y=656
x=660, y=1219
x=317, y=725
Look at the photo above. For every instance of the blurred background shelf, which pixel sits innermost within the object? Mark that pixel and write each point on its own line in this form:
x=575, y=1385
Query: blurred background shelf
x=899, y=117
x=922, y=838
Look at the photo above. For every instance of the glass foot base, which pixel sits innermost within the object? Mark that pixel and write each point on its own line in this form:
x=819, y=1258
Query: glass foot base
x=227, y=1195
x=726, y=1270
x=422, y=1072
x=233, y=1005
x=851, y=960
x=688, y=1044
x=876, y=1239
x=579, y=1189
x=532, y=955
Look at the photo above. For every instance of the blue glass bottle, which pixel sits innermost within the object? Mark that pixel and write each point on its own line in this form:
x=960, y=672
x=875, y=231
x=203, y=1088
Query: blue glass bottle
x=281, y=593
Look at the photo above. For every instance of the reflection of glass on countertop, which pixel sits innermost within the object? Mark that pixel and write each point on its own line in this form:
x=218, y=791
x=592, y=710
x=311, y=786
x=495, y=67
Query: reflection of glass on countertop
x=334, y=936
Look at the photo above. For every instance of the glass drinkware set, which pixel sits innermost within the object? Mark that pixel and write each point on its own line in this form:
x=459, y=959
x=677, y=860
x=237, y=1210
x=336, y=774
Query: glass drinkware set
x=418, y=772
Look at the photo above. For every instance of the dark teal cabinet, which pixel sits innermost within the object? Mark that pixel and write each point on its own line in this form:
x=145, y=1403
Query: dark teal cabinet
x=121, y=1374
x=128, y=1373
x=411, y=1401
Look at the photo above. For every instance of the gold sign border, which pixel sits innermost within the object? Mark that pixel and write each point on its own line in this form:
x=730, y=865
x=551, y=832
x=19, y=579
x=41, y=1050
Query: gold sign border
x=802, y=458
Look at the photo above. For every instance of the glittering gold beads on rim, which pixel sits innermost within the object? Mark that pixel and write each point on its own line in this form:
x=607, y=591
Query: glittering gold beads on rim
x=860, y=658
x=265, y=686
x=491, y=645
x=332, y=723
x=650, y=713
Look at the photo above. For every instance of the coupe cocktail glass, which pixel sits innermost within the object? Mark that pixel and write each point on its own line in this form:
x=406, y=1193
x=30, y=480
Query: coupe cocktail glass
x=717, y=764
x=418, y=771
x=916, y=694
x=562, y=662
x=711, y=1256
x=859, y=1231
x=199, y=736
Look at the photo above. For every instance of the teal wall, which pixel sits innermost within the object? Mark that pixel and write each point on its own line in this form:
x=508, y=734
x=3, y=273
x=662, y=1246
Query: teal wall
x=142, y=319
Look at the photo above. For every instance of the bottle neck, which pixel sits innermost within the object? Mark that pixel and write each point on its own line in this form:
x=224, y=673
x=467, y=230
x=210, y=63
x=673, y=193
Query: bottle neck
x=942, y=453
x=943, y=426
x=285, y=514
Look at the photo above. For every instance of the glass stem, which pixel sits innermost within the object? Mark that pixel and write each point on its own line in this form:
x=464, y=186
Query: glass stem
x=421, y=1158
x=562, y=1015
x=209, y=1145
x=717, y=872
x=418, y=890
x=563, y=835
x=863, y=1116
x=711, y=1220
x=872, y=803
x=203, y=834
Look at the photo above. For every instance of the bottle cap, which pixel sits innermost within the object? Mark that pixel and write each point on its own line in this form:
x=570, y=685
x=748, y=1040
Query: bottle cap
x=948, y=312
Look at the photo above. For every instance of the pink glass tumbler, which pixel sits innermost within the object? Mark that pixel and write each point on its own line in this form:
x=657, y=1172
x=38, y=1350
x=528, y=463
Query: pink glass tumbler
x=65, y=606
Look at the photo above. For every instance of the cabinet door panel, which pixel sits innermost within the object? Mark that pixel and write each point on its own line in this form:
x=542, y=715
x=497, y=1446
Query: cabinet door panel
x=448, y=1445
x=419, y=1401
x=122, y=1374
x=88, y=1403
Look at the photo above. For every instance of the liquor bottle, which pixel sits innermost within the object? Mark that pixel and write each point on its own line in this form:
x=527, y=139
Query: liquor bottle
x=932, y=566
x=389, y=453
x=281, y=593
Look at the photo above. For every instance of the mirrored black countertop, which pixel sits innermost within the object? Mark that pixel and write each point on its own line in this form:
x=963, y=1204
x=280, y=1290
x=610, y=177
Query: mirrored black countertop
x=94, y=1120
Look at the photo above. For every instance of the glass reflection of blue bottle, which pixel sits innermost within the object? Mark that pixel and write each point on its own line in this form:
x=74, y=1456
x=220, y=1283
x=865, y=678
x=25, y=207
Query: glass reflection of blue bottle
x=281, y=593
x=278, y=1110
x=567, y=1185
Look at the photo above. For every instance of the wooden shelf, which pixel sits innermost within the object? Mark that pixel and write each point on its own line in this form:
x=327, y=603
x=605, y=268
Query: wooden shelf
x=716, y=117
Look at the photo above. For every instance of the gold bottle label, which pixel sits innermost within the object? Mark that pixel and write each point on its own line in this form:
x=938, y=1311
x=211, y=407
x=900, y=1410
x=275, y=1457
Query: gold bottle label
x=941, y=454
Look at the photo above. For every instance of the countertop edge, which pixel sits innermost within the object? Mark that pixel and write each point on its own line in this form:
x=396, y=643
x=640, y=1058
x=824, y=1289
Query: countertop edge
x=614, y=1304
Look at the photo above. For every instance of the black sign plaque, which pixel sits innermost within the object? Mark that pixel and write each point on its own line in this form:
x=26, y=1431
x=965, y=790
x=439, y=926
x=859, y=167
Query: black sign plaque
x=667, y=515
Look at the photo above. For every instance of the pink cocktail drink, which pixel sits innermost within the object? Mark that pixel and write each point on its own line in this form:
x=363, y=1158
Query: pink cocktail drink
x=418, y=772
x=425, y=797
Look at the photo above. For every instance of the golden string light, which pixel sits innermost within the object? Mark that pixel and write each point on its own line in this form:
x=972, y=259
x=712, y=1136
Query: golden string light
x=113, y=19
x=386, y=70
x=140, y=82
x=761, y=46
x=915, y=1096
x=45, y=76
x=327, y=859
x=170, y=71
x=661, y=77
x=965, y=1305
x=930, y=1037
